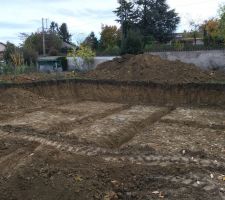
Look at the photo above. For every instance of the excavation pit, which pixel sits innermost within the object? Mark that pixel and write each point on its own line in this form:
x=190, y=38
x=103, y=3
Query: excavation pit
x=84, y=140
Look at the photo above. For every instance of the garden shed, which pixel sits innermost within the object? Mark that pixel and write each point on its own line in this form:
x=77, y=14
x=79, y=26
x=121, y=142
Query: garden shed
x=52, y=63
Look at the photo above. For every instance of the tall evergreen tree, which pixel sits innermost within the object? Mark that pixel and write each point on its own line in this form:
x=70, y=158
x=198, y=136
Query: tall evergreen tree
x=126, y=16
x=91, y=41
x=156, y=19
x=54, y=27
x=64, y=33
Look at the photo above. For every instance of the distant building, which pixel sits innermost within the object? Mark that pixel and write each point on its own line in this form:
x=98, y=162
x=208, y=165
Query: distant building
x=68, y=45
x=2, y=49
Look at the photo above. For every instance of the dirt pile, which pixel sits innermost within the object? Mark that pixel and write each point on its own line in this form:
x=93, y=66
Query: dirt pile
x=151, y=68
x=15, y=97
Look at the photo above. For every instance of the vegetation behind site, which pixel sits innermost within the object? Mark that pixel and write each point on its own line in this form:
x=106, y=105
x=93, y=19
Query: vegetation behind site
x=145, y=26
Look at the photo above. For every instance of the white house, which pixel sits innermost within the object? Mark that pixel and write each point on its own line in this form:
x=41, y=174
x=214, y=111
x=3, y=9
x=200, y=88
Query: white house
x=2, y=49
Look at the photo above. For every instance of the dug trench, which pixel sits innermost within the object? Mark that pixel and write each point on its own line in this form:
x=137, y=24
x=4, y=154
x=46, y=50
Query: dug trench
x=83, y=139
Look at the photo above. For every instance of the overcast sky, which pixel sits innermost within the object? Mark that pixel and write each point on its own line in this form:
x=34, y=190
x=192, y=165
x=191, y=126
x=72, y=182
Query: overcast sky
x=84, y=16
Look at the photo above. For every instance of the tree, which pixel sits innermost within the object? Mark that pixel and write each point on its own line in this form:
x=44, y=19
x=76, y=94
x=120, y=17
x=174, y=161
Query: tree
x=126, y=16
x=64, y=33
x=14, y=59
x=111, y=51
x=85, y=53
x=133, y=43
x=9, y=50
x=83, y=57
x=53, y=41
x=17, y=59
x=222, y=20
x=156, y=19
x=211, y=32
x=91, y=41
x=30, y=56
x=23, y=37
x=34, y=42
x=33, y=46
x=54, y=28
x=110, y=36
x=194, y=30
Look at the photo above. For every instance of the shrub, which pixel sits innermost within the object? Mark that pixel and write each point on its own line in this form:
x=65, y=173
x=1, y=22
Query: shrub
x=83, y=57
x=85, y=53
x=178, y=45
x=30, y=56
x=111, y=51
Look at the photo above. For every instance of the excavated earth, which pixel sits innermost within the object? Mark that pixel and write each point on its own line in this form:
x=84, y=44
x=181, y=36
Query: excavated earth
x=68, y=149
x=146, y=67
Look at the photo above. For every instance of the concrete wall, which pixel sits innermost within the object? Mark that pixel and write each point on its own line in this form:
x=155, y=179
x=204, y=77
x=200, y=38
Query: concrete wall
x=203, y=59
x=80, y=65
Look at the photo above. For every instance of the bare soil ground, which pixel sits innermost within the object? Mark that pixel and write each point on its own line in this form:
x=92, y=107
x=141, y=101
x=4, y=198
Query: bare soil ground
x=70, y=150
x=37, y=76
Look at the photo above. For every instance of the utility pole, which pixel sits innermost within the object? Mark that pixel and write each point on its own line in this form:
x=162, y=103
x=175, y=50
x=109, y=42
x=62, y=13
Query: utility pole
x=43, y=35
x=46, y=23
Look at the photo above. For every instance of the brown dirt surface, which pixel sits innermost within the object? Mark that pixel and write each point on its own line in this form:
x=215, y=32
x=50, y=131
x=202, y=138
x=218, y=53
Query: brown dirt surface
x=152, y=68
x=71, y=149
x=28, y=78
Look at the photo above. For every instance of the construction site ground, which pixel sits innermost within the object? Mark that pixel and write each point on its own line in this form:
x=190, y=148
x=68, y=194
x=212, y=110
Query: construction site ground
x=76, y=150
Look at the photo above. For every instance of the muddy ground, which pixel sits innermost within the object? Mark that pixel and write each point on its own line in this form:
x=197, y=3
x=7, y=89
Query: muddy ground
x=76, y=150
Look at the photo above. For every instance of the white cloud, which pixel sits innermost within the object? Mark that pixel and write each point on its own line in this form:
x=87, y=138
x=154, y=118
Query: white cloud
x=84, y=16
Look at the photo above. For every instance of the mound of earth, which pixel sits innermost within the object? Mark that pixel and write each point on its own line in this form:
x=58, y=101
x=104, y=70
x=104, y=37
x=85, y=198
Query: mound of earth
x=15, y=97
x=150, y=68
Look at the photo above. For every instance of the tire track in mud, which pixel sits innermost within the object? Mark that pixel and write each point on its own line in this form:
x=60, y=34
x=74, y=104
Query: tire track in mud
x=115, y=155
x=193, y=124
x=10, y=163
x=153, y=160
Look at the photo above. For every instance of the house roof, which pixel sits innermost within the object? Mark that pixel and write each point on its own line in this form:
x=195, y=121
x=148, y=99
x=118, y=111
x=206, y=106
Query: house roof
x=2, y=47
x=3, y=44
x=68, y=45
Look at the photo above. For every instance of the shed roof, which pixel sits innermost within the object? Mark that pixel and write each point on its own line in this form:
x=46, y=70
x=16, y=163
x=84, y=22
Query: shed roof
x=49, y=58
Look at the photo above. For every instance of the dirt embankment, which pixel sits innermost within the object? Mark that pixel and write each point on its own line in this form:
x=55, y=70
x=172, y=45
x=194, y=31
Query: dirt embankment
x=152, y=68
x=17, y=98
